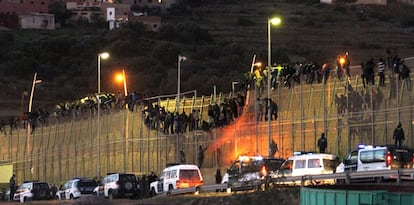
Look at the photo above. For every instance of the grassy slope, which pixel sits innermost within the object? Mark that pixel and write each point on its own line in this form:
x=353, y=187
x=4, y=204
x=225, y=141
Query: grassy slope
x=310, y=32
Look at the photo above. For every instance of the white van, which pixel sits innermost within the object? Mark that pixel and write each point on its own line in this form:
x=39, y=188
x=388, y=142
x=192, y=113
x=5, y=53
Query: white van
x=302, y=164
x=371, y=158
x=176, y=177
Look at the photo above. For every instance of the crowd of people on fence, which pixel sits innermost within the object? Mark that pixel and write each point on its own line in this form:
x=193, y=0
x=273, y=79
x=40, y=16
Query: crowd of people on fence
x=225, y=112
x=291, y=74
x=219, y=114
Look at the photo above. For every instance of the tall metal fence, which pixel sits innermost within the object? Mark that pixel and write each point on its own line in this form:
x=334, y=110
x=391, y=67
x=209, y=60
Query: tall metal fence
x=69, y=147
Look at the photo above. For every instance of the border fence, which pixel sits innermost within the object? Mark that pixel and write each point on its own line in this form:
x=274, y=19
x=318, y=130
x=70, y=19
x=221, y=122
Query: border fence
x=68, y=147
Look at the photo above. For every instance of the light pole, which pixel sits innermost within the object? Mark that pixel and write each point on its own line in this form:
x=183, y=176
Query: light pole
x=180, y=58
x=272, y=21
x=233, y=85
x=35, y=81
x=177, y=104
x=104, y=55
x=122, y=78
x=126, y=123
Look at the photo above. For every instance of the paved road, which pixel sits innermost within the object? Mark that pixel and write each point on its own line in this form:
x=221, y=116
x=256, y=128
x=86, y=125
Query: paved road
x=93, y=200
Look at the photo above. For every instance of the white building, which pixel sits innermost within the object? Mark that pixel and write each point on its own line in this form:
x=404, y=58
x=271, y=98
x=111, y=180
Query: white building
x=377, y=2
x=37, y=21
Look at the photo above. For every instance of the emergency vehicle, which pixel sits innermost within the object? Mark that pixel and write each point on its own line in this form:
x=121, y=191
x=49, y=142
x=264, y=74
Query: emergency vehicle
x=247, y=172
x=373, y=158
x=309, y=163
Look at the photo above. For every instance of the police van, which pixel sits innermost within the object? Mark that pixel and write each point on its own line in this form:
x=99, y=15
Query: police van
x=308, y=163
x=374, y=158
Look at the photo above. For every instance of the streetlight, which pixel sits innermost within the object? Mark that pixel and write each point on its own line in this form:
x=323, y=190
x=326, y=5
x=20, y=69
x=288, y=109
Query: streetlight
x=233, y=85
x=180, y=58
x=273, y=21
x=104, y=56
x=122, y=78
x=177, y=104
x=35, y=81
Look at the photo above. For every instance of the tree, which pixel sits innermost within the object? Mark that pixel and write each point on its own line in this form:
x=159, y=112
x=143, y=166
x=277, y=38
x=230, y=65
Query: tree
x=60, y=12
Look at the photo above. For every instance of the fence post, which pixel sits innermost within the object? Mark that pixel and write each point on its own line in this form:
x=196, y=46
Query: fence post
x=398, y=176
x=302, y=181
x=347, y=178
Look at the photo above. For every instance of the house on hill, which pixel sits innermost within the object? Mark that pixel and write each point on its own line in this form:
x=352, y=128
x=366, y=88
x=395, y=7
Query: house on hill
x=409, y=2
x=18, y=7
x=114, y=13
x=89, y=11
x=162, y=4
x=376, y=2
x=37, y=21
x=25, y=14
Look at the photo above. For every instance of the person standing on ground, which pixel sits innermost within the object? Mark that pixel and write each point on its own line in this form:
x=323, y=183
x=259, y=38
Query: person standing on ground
x=218, y=178
x=322, y=143
x=273, y=148
x=182, y=156
x=201, y=151
x=398, y=135
x=152, y=177
x=12, y=187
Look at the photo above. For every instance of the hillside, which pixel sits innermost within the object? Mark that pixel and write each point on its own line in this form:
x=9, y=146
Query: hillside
x=219, y=40
x=311, y=32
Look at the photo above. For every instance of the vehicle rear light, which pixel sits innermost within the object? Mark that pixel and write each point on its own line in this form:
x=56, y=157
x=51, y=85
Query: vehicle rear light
x=181, y=184
x=412, y=160
x=388, y=159
x=187, y=184
x=263, y=170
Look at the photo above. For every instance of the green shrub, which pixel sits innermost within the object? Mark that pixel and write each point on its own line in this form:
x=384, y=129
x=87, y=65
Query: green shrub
x=309, y=22
x=242, y=21
x=380, y=15
x=365, y=45
x=407, y=22
x=328, y=18
x=340, y=8
x=346, y=43
x=303, y=1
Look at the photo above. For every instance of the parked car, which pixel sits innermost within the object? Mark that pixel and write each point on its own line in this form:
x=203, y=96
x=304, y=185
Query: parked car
x=4, y=195
x=370, y=158
x=7, y=195
x=32, y=190
x=177, y=176
x=247, y=172
x=117, y=185
x=75, y=188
